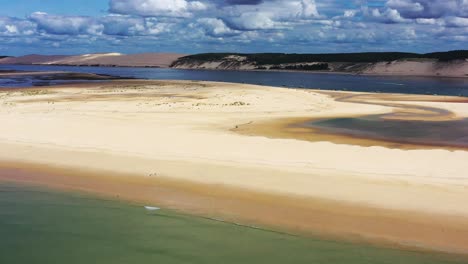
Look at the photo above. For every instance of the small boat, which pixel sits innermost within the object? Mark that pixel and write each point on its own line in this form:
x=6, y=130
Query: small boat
x=152, y=208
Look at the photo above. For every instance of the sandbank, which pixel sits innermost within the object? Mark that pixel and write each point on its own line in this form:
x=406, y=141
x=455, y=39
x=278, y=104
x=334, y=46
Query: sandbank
x=175, y=143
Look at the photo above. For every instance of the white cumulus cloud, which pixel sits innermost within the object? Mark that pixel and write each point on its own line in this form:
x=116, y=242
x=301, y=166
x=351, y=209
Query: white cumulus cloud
x=165, y=8
x=64, y=25
x=216, y=27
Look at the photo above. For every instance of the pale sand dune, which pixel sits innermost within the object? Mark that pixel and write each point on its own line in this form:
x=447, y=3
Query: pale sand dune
x=420, y=68
x=406, y=67
x=31, y=59
x=124, y=60
x=99, y=59
x=83, y=58
x=182, y=131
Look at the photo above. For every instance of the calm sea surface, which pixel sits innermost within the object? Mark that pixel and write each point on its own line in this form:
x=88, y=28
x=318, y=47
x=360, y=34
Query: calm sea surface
x=385, y=84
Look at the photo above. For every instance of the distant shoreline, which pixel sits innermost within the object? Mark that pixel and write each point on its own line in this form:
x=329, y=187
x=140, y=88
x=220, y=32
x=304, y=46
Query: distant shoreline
x=451, y=64
x=324, y=72
x=251, y=70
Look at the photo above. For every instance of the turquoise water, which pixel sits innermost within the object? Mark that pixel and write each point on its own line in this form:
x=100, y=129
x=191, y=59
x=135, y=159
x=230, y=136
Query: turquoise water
x=42, y=226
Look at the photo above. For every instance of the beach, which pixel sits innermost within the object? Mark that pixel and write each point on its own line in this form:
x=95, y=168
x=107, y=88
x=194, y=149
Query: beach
x=198, y=147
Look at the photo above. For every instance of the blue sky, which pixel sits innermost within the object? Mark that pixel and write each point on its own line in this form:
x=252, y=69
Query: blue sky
x=23, y=8
x=194, y=26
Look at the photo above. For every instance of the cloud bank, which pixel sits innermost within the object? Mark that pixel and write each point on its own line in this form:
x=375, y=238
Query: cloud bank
x=246, y=25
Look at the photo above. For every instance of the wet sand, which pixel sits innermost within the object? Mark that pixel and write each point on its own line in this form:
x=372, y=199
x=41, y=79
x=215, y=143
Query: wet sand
x=316, y=217
x=177, y=143
x=56, y=75
x=24, y=79
x=40, y=225
x=408, y=126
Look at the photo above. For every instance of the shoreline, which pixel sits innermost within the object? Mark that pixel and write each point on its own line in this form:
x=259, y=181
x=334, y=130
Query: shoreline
x=253, y=70
x=403, y=109
x=309, y=217
x=332, y=72
x=211, y=232
x=172, y=142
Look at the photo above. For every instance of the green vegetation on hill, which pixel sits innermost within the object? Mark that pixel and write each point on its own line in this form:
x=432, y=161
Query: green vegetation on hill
x=303, y=67
x=365, y=57
x=449, y=55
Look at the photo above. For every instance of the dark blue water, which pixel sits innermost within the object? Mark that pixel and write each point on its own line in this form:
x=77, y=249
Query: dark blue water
x=385, y=84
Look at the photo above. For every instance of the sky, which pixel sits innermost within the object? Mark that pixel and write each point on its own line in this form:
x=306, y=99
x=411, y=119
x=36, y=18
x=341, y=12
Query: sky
x=196, y=26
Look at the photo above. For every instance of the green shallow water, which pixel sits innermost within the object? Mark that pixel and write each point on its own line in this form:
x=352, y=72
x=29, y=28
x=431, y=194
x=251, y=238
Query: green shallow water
x=42, y=226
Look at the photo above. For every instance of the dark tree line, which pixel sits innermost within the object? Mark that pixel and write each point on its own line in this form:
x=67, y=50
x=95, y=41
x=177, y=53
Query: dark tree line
x=364, y=57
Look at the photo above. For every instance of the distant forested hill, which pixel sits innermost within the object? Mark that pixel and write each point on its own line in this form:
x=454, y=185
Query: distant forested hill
x=283, y=58
x=441, y=64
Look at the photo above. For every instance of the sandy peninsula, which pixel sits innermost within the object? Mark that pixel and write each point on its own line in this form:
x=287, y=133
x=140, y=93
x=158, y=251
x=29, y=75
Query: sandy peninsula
x=162, y=60
x=177, y=144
